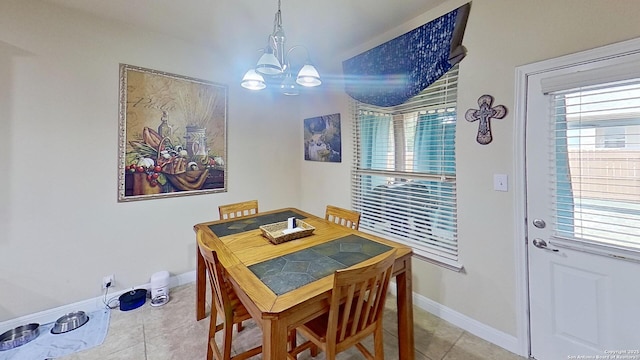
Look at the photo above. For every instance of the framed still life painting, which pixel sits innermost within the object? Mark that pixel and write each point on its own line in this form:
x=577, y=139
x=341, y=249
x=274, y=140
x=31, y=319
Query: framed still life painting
x=322, y=140
x=172, y=135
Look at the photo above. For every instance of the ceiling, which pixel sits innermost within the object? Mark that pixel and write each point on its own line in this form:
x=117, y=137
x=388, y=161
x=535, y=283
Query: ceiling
x=327, y=28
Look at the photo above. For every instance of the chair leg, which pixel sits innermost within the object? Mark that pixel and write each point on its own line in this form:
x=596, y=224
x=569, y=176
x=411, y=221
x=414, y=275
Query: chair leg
x=239, y=326
x=330, y=355
x=213, y=319
x=228, y=330
x=292, y=339
x=378, y=343
x=212, y=334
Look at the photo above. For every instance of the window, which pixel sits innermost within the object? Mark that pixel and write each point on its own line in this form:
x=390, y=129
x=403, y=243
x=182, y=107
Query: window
x=404, y=176
x=597, y=162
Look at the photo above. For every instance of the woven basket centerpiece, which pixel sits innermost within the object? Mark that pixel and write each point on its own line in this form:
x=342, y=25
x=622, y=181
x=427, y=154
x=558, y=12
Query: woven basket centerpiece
x=277, y=234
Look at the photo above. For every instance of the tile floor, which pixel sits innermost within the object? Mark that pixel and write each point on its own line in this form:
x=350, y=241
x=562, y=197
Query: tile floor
x=171, y=332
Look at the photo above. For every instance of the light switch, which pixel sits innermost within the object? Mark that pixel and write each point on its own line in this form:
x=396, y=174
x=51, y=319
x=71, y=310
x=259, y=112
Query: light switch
x=500, y=182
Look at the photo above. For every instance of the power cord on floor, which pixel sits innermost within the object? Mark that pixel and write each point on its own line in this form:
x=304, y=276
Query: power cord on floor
x=107, y=304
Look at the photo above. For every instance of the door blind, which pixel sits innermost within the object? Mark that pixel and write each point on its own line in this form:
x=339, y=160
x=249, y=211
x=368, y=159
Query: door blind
x=596, y=157
x=404, y=175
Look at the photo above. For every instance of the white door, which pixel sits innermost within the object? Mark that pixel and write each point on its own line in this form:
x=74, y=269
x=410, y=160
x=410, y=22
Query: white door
x=583, y=208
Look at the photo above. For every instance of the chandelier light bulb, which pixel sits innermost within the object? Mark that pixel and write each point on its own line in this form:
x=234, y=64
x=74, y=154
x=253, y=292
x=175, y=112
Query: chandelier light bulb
x=269, y=64
x=253, y=81
x=308, y=76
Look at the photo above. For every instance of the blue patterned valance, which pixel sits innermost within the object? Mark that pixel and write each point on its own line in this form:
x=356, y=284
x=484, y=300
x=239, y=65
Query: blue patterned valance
x=399, y=69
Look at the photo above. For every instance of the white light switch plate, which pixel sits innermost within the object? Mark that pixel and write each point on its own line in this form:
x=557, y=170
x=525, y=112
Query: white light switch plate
x=500, y=182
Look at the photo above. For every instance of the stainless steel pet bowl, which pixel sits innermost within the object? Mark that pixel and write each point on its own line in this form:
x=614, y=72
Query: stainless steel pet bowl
x=70, y=321
x=19, y=336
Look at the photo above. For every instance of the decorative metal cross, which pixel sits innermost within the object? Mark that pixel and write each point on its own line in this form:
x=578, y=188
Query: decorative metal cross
x=484, y=115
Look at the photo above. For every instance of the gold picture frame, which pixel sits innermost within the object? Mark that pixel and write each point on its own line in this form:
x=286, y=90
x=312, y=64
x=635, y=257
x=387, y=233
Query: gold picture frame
x=172, y=135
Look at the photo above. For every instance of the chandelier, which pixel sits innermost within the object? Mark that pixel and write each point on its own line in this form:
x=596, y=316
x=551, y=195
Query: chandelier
x=274, y=65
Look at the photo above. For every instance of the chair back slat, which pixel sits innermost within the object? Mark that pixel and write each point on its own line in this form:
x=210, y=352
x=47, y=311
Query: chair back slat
x=371, y=298
x=238, y=210
x=359, y=294
x=343, y=217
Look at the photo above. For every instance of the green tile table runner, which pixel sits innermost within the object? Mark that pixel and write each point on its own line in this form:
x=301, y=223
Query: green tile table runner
x=253, y=223
x=294, y=270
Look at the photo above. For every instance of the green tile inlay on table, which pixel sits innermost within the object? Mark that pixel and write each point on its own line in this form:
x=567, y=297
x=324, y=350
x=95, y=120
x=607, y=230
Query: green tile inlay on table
x=252, y=223
x=294, y=270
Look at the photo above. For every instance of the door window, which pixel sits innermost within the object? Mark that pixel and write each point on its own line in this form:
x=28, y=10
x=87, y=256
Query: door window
x=596, y=157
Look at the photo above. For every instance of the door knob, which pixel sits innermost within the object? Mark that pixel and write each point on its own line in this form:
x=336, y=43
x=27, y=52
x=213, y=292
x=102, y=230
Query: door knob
x=541, y=244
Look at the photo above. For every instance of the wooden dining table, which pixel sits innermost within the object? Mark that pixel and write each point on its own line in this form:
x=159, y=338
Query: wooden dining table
x=277, y=293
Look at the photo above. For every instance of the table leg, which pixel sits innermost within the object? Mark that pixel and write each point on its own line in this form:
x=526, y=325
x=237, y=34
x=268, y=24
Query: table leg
x=274, y=339
x=405, y=313
x=201, y=286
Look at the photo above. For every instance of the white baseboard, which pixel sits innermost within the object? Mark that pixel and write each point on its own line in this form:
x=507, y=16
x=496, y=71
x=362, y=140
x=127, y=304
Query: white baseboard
x=475, y=327
x=464, y=322
x=51, y=315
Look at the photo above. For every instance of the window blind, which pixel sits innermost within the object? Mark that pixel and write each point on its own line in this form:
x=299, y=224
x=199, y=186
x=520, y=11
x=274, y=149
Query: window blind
x=596, y=157
x=595, y=76
x=404, y=174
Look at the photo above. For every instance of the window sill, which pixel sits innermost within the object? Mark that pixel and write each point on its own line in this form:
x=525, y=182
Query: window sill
x=437, y=260
x=424, y=255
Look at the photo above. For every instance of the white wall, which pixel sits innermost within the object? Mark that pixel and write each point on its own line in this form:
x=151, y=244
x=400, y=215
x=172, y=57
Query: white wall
x=61, y=227
x=500, y=35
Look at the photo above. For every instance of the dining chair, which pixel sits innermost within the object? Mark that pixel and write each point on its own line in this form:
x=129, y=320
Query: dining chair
x=238, y=210
x=355, y=312
x=226, y=301
x=344, y=217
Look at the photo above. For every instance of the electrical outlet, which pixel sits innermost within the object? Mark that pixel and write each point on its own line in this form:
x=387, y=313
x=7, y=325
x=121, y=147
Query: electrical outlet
x=108, y=281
